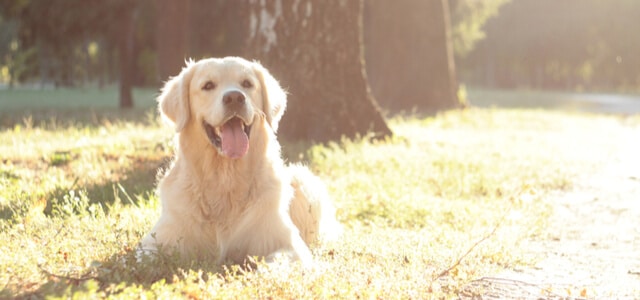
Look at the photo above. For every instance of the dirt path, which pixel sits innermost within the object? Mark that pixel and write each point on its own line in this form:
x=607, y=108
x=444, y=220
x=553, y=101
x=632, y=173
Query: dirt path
x=592, y=250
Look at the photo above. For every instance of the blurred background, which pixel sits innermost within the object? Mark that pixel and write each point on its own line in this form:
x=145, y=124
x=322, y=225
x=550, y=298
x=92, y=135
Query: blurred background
x=577, y=54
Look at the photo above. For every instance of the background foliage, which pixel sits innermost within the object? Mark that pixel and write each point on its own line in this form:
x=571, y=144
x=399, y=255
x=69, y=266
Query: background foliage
x=573, y=44
x=570, y=45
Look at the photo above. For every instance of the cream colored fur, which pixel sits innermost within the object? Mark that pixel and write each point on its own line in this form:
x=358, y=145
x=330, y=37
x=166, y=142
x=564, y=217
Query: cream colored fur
x=215, y=207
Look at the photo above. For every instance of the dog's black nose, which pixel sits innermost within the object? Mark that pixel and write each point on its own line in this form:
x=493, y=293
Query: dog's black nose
x=233, y=98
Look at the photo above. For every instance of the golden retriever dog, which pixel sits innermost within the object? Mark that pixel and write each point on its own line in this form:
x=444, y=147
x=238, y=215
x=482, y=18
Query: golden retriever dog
x=228, y=195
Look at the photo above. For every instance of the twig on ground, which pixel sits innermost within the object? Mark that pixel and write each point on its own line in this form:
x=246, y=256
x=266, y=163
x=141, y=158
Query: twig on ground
x=83, y=277
x=633, y=272
x=457, y=263
x=484, y=238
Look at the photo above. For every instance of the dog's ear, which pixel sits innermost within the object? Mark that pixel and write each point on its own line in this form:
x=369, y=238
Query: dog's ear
x=173, y=102
x=274, y=98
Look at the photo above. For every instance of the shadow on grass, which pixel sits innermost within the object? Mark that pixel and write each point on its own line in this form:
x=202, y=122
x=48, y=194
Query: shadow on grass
x=134, y=186
x=123, y=269
x=130, y=186
x=138, y=184
x=126, y=275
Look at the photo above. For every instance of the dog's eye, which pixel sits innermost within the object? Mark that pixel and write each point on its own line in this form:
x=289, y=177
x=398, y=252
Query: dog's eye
x=247, y=84
x=209, y=86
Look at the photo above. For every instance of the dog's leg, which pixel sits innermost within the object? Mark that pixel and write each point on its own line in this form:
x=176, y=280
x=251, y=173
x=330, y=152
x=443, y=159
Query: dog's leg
x=167, y=236
x=311, y=209
x=269, y=236
x=298, y=252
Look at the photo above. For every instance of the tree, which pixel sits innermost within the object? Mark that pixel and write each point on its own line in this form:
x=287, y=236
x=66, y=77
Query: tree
x=126, y=40
x=315, y=49
x=215, y=29
x=172, y=37
x=410, y=55
x=53, y=36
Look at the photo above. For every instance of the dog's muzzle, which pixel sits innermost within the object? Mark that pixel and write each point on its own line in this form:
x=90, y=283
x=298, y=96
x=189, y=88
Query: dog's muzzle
x=231, y=138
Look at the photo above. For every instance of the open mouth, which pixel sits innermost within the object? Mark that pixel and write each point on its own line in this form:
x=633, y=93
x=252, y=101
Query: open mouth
x=231, y=138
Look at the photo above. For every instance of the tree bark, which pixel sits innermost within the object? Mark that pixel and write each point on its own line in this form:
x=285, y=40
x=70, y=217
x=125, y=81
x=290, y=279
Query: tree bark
x=409, y=52
x=172, y=38
x=315, y=49
x=126, y=40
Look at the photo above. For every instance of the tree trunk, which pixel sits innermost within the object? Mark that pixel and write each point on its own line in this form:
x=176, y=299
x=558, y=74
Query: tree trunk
x=410, y=54
x=172, y=38
x=126, y=40
x=315, y=49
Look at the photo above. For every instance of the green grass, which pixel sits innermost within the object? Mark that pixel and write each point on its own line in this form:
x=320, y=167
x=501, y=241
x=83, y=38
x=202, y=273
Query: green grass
x=66, y=98
x=90, y=105
x=75, y=199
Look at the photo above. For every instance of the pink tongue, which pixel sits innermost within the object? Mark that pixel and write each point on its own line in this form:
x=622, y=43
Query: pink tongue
x=235, y=141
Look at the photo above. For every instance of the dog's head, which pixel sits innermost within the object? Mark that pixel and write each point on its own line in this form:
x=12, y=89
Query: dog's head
x=224, y=98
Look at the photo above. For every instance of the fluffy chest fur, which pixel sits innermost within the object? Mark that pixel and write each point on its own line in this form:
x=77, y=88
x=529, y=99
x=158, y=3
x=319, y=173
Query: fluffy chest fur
x=223, y=189
x=221, y=199
x=218, y=200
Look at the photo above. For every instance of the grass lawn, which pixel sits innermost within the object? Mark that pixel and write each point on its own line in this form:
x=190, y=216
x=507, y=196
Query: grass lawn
x=75, y=199
x=71, y=106
x=66, y=98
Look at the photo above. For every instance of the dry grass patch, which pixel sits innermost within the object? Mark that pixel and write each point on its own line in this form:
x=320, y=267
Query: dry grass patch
x=75, y=200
